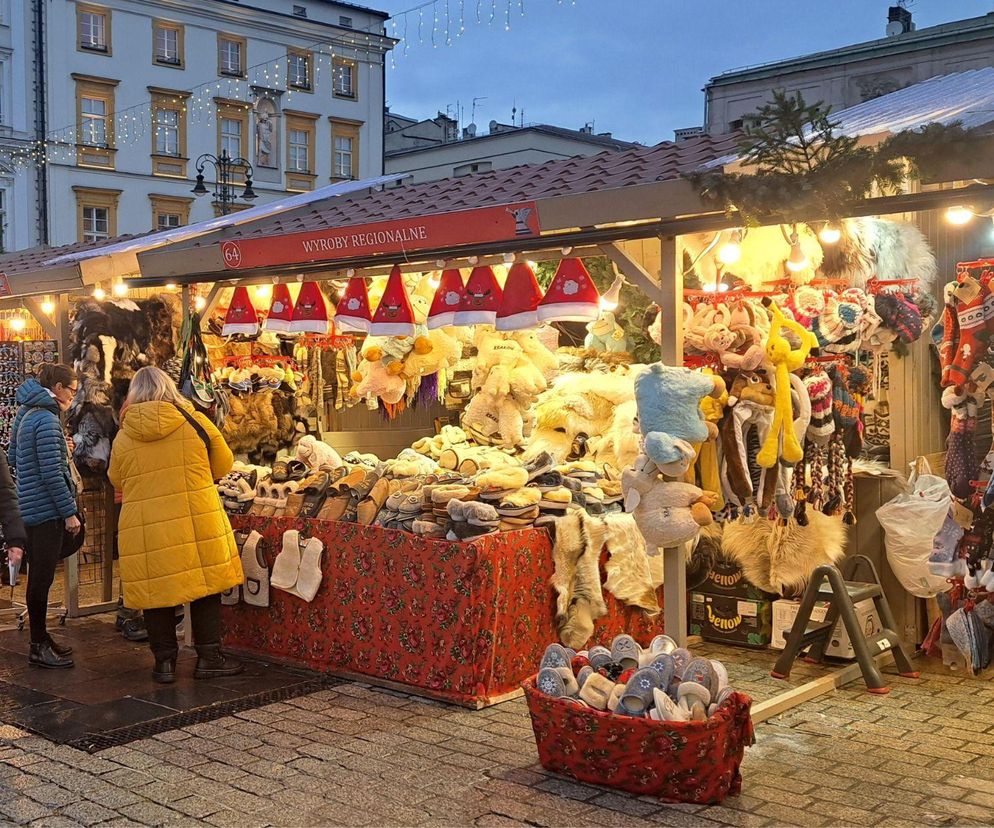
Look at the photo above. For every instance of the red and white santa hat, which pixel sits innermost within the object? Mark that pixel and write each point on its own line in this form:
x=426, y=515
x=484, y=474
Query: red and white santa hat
x=481, y=300
x=572, y=296
x=310, y=314
x=280, y=310
x=352, y=313
x=241, y=317
x=519, y=307
x=394, y=315
x=449, y=296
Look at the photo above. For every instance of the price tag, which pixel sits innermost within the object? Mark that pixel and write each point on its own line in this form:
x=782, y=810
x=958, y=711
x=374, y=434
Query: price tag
x=967, y=290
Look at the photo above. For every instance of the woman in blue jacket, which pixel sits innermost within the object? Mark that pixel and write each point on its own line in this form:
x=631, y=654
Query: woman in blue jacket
x=39, y=457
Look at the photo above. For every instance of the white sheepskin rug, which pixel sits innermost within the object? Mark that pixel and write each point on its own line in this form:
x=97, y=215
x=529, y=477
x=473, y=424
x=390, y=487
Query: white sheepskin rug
x=780, y=559
x=872, y=247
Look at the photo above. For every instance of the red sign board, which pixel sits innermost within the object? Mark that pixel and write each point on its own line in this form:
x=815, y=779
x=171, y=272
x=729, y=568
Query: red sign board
x=485, y=225
x=4, y=285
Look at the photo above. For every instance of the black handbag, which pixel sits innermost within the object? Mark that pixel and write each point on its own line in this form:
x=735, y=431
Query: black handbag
x=71, y=544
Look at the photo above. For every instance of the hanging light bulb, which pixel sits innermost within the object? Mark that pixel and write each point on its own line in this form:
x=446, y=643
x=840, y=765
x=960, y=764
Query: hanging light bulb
x=199, y=303
x=120, y=289
x=612, y=296
x=830, y=233
x=959, y=215
x=474, y=260
x=797, y=261
x=508, y=258
x=48, y=307
x=263, y=292
x=731, y=251
x=99, y=293
x=170, y=286
x=17, y=324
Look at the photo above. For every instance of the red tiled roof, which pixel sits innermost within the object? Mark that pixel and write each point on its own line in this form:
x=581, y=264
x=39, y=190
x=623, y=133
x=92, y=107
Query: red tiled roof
x=32, y=258
x=582, y=174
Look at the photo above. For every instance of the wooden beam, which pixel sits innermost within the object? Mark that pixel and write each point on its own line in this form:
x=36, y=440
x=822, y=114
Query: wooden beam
x=633, y=271
x=64, y=338
x=47, y=325
x=671, y=301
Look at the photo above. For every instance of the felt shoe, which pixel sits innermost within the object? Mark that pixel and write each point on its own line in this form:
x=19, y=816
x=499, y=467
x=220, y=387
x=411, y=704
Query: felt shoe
x=638, y=695
x=555, y=656
x=596, y=690
x=540, y=465
x=701, y=671
x=286, y=567
x=599, y=657
x=557, y=682
x=625, y=651
x=664, y=665
x=668, y=710
x=690, y=693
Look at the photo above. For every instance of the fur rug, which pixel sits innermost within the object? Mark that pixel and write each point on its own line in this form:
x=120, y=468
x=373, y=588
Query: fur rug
x=872, y=247
x=252, y=422
x=781, y=559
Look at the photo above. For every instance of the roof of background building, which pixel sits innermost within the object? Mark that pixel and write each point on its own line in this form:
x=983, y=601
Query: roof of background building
x=970, y=29
x=604, y=141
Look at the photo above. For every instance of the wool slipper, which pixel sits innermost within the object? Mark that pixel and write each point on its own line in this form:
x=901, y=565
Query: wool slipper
x=722, y=674
x=663, y=664
x=411, y=505
x=540, y=465
x=334, y=507
x=280, y=472
x=557, y=682
x=681, y=658
x=505, y=479
x=625, y=651
x=638, y=695
x=596, y=690
x=599, y=657
x=520, y=499
x=700, y=670
x=614, y=700
x=255, y=591
x=444, y=493
x=549, y=480
x=556, y=499
x=585, y=673
x=370, y=506
x=546, y=521
x=428, y=529
x=286, y=567
x=526, y=518
x=309, y=577
x=662, y=644
x=668, y=710
x=690, y=692
x=555, y=656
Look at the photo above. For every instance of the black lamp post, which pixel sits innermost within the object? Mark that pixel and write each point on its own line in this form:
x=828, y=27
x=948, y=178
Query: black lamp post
x=224, y=169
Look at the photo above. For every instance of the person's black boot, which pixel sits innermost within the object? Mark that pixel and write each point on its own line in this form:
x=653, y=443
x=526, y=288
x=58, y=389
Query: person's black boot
x=164, y=671
x=212, y=663
x=59, y=649
x=42, y=655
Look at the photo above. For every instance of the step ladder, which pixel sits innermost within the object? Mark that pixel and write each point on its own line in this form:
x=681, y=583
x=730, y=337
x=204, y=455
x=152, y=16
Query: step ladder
x=843, y=592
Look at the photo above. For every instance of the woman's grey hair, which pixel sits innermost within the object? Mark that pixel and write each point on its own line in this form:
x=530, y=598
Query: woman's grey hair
x=150, y=384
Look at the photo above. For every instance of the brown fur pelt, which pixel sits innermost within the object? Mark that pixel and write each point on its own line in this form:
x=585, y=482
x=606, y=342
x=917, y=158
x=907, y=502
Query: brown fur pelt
x=251, y=422
x=577, y=580
x=780, y=559
x=628, y=576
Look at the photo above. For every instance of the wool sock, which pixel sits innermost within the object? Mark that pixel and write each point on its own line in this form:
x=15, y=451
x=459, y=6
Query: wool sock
x=972, y=335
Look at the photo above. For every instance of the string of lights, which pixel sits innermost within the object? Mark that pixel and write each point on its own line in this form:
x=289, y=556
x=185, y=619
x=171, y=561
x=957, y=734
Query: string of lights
x=135, y=123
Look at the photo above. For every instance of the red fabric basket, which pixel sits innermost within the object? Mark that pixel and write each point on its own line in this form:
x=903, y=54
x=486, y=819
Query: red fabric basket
x=674, y=761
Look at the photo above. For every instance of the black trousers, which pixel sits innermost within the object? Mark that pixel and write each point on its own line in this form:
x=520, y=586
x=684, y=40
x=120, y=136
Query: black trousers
x=44, y=553
x=205, y=618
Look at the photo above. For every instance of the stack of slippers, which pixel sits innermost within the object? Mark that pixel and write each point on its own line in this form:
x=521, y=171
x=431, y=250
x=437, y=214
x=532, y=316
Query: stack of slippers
x=495, y=484
x=662, y=682
x=451, y=436
x=271, y=497
x=519, y=509
x=471, y=519
x=402, y=508
x=308, y=500
x=554, y=502
x=297, y=568
x=237, y=490
x=441, y=496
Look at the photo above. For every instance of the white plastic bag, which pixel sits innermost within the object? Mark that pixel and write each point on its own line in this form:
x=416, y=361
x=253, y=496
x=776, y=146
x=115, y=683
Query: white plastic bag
x=911, y=522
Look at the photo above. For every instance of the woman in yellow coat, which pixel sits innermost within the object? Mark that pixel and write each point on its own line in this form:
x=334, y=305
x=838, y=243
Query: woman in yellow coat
x=175, y=543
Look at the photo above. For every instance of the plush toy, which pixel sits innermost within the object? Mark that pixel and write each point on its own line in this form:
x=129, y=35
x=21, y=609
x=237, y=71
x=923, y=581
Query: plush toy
x=668, y=513
x=783, y=359
x=670, y=416
x=750, y=408
x=377, y=377
x=316, y=453
x=432, y=352
x=605, y=334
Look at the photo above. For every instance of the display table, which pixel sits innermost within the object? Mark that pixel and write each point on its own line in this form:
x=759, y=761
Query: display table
x=464, y=622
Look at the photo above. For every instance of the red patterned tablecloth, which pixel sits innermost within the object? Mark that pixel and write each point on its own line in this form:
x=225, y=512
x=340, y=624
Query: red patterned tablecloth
x=466, y=622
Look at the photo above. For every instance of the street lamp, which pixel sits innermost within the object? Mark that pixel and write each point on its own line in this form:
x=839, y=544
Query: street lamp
x=224, y=169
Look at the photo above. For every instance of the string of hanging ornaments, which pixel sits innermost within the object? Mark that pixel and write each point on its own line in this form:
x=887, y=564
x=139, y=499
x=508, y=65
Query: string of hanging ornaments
x=435, y=22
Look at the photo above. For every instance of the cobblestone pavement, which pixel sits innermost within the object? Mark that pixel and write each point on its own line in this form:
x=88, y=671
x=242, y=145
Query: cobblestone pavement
x=354, y=755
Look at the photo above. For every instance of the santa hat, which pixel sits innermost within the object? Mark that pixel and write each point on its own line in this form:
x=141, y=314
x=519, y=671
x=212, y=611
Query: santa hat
x=572, y=296
x=241, y=317
x=352, y=313
x=519, y=307
x=280, y=310
x=481, y=299
x=310, y=315
x=394, y=315
x=449, y=296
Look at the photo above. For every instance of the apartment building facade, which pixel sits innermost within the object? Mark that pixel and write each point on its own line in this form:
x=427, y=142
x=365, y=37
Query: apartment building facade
x=135, y=91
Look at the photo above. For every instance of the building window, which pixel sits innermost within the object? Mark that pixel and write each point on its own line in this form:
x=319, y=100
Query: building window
x=231, y=55
x=344, y=22
x=93, y=29
x=298, y=153
x=300, y=141
x=169, y=212
x=3, y=96
x=232, y=128
x=96, y=213
x=299, y=11
x=299, y=70
x=94, y=120
x=167, y=43
x=167, y=132
x=344, y=72
x=345, y=150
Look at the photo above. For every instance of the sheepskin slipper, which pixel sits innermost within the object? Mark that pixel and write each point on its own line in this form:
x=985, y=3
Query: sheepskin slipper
x=520, y=498
x=505, y=479
x=519, y=517
x=556, y=499
x=443, y=494
x=468, y=532
x=474, y=512
x=428, y=529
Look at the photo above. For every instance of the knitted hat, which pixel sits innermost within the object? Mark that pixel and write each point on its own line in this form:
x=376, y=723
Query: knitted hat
x=820, y=393
x=572, y=296
x=845, y=407
x=241, y=317
x=280, y=309
x=481, y=299
x=352, y=313
x=310, y=314
x=449, y=295
x=394, y=315
x=519, y=306
x=807, y=303
x=900, y=316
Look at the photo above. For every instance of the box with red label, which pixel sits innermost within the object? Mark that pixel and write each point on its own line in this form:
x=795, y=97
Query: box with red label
x=744, y=622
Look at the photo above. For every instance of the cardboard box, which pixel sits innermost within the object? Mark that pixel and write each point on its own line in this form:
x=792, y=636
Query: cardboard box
x=726, y=578
x=784, y=613
x=744, y=622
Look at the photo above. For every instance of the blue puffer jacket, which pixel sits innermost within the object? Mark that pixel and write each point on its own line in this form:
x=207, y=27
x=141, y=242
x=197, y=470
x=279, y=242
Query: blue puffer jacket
x=39, y=457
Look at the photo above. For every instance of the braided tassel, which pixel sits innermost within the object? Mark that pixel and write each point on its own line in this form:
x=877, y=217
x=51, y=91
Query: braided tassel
x=849, y=519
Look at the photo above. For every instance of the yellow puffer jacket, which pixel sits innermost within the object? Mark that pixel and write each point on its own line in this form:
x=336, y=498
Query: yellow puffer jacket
x=174, y=541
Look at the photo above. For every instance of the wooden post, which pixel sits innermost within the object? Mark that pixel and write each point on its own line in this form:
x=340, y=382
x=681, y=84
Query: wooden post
x=671, y=353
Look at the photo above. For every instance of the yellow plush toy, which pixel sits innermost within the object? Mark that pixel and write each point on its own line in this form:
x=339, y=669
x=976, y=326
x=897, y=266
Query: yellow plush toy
x=784, y=359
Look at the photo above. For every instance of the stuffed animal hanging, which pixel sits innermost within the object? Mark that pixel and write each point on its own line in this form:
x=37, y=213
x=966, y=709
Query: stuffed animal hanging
x=783, y=359
x=667, y=512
